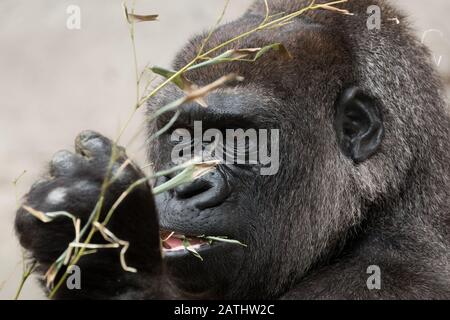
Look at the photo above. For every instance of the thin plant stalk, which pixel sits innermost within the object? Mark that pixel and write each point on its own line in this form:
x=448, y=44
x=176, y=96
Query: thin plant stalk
x=25, y=275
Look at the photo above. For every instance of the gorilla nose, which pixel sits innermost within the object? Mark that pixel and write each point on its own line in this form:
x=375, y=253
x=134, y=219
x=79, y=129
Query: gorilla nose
x=205, y=192
x=192, y=189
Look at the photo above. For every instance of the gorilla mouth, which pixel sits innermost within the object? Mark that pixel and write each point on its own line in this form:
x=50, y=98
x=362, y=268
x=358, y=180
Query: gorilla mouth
x=176, y=242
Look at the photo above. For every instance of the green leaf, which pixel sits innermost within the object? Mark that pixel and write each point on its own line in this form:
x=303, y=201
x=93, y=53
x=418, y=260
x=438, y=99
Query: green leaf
x=194, y=252
x=277, y=47
x=224, y=239
x=180, y=80
x=229, y=55
x=195, y=95
x=189, y=174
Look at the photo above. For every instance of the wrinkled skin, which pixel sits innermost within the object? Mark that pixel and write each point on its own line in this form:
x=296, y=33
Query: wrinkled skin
x=364, y=175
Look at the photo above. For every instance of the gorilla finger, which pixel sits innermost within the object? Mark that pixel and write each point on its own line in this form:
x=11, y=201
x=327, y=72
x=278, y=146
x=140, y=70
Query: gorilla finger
x=65, y=163
x=92, y=144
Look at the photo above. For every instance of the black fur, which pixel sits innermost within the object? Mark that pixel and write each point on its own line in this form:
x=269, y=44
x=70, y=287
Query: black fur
x=314, y=227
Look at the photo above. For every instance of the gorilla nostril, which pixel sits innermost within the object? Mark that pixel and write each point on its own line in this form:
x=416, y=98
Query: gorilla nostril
x=192, y=189
x=215, y=196
x=205, y=192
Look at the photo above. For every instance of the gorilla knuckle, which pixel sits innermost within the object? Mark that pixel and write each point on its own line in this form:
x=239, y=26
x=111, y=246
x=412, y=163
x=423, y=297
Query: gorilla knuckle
x=64, y=163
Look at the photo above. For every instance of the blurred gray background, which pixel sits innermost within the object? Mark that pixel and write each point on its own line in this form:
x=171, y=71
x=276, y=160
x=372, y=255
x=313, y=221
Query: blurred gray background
x=55, y=82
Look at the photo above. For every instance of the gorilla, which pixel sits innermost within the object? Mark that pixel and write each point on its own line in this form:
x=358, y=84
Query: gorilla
x=363, y=182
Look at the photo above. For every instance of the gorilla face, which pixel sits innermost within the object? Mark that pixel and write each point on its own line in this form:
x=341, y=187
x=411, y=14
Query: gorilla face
x=231, y=201
x=290, y=219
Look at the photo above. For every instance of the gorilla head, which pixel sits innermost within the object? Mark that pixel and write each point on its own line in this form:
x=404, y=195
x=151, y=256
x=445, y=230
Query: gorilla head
x=363, y=146
x=362, y=183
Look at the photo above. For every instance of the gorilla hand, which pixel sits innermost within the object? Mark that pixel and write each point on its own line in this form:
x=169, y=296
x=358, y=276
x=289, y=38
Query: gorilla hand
x=74, y=186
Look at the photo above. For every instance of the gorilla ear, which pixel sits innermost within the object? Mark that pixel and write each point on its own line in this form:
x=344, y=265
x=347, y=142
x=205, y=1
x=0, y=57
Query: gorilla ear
x=358, y=124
